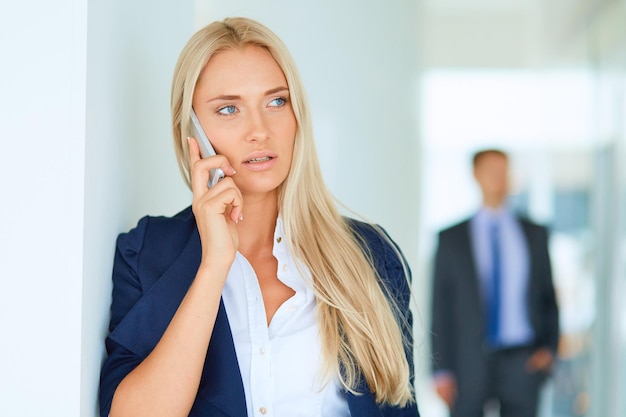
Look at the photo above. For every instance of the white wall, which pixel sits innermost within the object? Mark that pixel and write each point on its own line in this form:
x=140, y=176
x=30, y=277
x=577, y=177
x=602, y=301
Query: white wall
x=130, y=169
x=84, y=116
x=42, y=123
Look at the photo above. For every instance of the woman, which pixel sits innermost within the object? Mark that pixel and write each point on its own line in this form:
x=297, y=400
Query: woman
x=260, y=299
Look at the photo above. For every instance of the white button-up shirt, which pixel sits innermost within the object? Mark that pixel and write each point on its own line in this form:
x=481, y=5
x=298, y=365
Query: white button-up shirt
x=281, y=363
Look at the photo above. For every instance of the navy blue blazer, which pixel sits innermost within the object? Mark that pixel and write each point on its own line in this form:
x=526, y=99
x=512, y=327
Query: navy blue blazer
x=156, y=262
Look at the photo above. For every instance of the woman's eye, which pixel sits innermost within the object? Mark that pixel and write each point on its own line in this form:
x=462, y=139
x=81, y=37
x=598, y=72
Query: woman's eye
x=278, y=102
x=227, y=110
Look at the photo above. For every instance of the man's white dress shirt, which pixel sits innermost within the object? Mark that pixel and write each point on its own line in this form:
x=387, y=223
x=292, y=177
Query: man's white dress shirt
x=515, y=326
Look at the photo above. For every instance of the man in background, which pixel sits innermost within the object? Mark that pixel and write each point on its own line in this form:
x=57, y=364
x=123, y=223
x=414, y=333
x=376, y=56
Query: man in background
x=495, y=324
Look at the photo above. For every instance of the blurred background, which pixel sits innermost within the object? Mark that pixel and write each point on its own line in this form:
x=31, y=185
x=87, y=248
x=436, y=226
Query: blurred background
x=545, y=80
x=402, y=93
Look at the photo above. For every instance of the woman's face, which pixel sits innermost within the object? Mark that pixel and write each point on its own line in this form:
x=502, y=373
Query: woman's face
x=243, y=104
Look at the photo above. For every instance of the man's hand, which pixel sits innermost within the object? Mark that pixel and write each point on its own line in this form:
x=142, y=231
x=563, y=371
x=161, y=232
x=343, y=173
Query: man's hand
x=445, y=385
x=541, y=360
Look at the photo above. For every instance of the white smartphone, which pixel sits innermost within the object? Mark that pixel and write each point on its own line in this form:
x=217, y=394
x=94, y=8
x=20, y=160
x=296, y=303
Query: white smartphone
x=206, y=149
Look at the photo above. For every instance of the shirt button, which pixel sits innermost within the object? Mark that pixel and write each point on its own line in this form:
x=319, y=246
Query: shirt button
x=262, y=350
x=285, y=267
x=293, y=308
x=262, y=410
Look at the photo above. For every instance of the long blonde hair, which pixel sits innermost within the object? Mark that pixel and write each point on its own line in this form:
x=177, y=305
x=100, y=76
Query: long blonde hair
x=359, y=325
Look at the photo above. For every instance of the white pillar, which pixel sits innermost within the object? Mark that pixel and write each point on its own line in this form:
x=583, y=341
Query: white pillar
x=42, y=124
x=86, y=150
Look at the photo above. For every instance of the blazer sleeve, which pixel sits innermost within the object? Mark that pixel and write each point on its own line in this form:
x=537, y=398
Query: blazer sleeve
x=548, y=310
x=397, y=277
x=127, y=290
x=442, y=312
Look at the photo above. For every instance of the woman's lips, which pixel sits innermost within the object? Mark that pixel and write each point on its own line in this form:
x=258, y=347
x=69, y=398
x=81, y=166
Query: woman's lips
x=255, y=160
x=259, y=161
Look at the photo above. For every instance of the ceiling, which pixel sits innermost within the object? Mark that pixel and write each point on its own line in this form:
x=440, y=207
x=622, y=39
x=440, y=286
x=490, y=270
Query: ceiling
x=506, y=33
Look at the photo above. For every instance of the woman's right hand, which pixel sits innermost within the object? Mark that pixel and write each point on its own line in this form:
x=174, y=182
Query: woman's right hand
x=168, y=378
x=217, y=209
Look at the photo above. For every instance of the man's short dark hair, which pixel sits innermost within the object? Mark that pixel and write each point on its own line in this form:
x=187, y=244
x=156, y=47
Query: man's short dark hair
x=493, y=151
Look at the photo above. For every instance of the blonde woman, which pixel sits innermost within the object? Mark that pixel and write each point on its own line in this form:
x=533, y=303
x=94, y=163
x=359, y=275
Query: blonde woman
x=260, y=299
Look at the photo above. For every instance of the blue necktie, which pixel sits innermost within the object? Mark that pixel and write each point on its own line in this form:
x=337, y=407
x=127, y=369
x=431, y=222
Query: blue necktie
x=493, y=311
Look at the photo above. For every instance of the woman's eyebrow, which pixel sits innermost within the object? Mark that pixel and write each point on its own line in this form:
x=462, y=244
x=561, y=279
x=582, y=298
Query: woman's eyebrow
x=276, y=90
x=224, y=98
x=229, y=97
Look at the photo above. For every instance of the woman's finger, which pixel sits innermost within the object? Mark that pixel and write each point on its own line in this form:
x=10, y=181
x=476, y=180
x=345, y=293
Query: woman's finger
x=198, y=176
x=228, y=198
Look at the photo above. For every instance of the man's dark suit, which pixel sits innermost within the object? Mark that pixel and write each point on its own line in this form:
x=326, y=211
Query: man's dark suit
x=458, y=323
x=154, y=266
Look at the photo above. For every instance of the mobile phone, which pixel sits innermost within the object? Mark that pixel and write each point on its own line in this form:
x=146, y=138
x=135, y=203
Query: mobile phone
x=206, y=149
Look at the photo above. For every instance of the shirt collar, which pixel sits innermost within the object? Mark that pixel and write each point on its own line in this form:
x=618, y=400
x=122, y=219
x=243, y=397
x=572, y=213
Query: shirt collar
x=296, y=274
x=488, y=215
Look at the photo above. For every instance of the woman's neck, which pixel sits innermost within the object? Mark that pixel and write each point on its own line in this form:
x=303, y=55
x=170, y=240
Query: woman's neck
x=256, y=230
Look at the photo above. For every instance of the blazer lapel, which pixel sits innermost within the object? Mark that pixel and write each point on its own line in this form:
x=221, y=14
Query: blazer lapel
x=467, y=260
x=142, y=328
x=221, y=383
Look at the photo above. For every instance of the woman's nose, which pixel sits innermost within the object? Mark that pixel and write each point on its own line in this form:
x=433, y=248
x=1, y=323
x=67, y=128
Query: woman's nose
x=258, y=129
